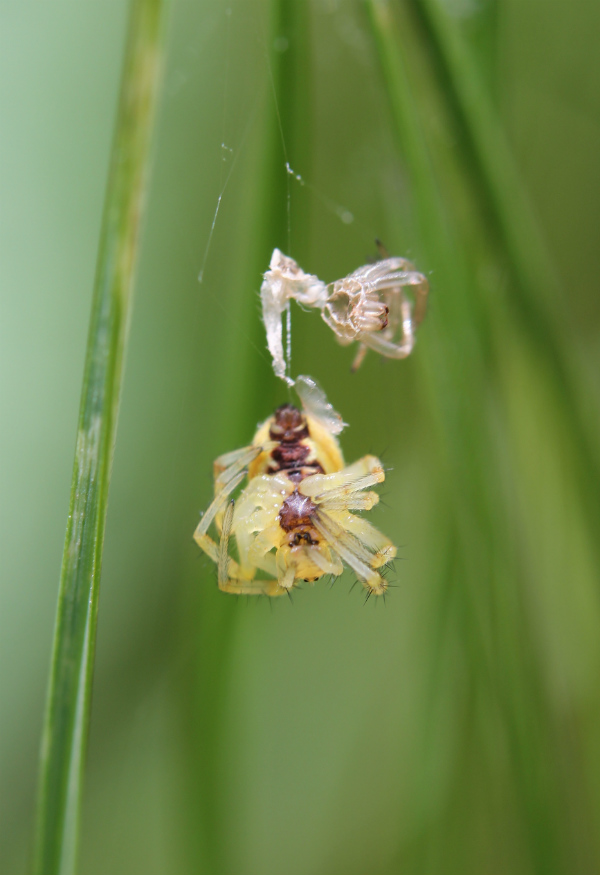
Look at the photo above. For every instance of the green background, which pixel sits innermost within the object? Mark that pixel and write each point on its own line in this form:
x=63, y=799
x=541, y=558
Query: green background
x=454, y=730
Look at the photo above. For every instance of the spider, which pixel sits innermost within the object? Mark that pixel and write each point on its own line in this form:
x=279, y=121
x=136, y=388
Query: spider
x=293, y=520
x=368, y=306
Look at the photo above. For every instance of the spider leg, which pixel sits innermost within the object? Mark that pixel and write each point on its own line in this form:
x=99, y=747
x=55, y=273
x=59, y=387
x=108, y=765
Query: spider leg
x=365, y=465
x=290, y=568
x=230, y=470
x=350, y=495
x=240, y=586
x=388, y=348
x=229, y=464
x=331, y=566
x=286, y=571
x=387, y=280
x=237, y=462
x=421, y=293
x=397, y=302
x=229, y=577
x=383, y=551
x=377, y=269
x=364, y=473
x=395, y=279
x=349, y=548
x=359, y=357
x=356, y=541
x=394, y=300
x=223, y=563
x=259, y=549
x=200, y=535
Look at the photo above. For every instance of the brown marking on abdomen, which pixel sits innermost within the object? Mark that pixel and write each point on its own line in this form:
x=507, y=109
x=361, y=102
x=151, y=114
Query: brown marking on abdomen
x=288, y=456
x=289, y=428
x=296, y=511
x=289, y=425
x=292, y=458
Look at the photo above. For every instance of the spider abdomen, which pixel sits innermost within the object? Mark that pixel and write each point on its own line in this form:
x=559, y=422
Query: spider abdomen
x=299, y=446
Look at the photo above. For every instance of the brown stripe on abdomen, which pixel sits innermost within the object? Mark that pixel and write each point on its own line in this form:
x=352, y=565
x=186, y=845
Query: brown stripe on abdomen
x=293, y=459
x=290, y=455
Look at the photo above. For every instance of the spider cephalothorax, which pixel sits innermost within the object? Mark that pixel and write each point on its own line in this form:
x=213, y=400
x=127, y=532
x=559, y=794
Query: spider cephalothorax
x=294, y=519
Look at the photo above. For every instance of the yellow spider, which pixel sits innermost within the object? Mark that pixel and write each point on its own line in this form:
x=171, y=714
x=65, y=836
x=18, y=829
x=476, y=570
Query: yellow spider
x=294, y=520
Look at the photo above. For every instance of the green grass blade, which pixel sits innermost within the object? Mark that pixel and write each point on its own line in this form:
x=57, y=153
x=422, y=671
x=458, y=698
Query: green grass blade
x=69, y=696
x=534, y=290
x=249, y=380
x=502, y=665
x=491, y=161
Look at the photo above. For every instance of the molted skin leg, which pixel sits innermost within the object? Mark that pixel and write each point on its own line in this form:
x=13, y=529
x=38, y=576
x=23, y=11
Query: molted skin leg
x=359, y=357
x=387, y=347
x=383, y=344
x=421, y=293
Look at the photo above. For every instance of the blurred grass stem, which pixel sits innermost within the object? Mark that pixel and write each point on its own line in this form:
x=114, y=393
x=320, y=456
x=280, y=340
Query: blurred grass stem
x=533, y=289
x=284, y=117
x=65, y=730
x=491, y=601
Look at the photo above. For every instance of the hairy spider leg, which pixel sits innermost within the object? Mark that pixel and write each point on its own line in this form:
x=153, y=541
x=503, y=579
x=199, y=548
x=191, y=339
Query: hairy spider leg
x=228, y=578
x=256, y=523
x=351, y=538
x=351, y=550
x=223, y=564
x=200, y=535
x=336, y=495
x=366, y=466
x=229, y=464
x=229, y=470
